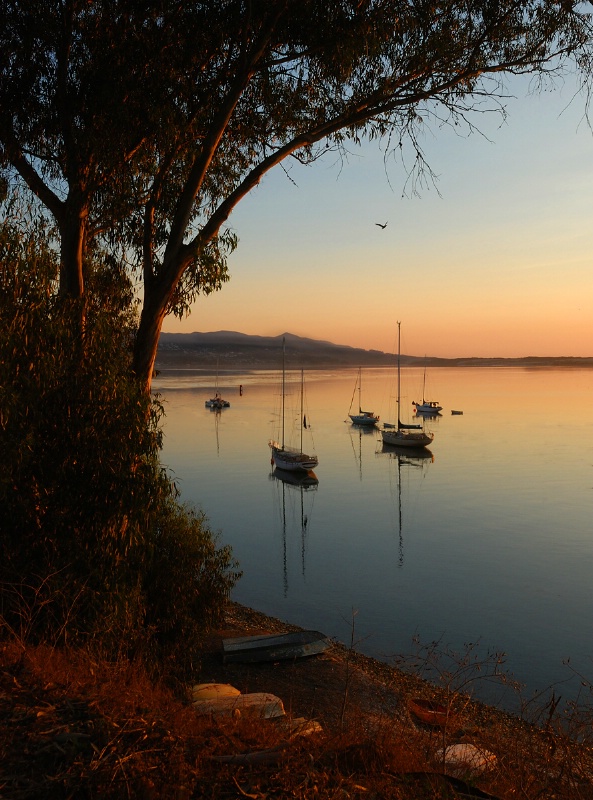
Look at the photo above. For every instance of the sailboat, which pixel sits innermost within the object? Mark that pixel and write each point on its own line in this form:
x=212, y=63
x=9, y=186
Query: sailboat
x=290, y=458
x=404, y=435
x=366, y=418
x=217, y=403
x=426, y=406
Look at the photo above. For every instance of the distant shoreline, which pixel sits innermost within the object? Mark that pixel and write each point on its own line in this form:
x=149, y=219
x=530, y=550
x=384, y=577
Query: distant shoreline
x=229, y=350
x=198, y=362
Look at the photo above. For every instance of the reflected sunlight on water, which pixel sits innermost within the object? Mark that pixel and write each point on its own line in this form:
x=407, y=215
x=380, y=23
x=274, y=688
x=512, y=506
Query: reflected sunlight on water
x=489, y=540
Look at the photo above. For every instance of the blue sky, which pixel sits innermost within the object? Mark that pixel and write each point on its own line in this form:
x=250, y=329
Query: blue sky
x=496, y=261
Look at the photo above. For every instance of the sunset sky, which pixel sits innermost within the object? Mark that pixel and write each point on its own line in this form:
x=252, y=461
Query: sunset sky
x=496, y=261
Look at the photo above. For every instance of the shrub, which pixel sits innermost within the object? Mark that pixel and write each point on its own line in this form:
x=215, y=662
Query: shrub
x=187, y=584
x=89, y=520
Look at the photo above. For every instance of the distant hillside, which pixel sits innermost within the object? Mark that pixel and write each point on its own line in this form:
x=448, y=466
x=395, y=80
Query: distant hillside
x=232, y=350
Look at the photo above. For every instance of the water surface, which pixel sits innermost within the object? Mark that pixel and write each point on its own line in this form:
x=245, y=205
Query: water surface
x=486, y=538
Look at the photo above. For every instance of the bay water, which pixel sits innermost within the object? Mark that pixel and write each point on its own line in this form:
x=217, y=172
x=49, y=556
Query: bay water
x=485, y=539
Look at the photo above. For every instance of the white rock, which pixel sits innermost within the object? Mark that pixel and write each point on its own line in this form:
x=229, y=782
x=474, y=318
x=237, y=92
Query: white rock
x=466, y=759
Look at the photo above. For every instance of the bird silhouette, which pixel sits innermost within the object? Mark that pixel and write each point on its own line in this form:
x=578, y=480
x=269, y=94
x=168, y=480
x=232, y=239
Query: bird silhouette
x=381, y=226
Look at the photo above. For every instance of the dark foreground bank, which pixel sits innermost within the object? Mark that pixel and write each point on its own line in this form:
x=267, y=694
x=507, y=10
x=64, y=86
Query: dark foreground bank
x=72, y=725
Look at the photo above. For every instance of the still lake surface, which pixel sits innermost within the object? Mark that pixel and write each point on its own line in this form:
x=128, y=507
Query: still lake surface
x=487, y=538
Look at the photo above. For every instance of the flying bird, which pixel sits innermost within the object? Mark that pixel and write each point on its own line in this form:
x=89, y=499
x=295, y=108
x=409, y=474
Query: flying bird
x=381, y=226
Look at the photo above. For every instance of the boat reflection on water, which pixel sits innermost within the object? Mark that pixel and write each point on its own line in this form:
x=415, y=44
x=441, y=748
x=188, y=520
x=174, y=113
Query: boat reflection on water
x=363, y=430
x=299, y=484
x=306, y=480
x=359, y=431
x=415, y=456
x=217, y=413
x=425, y=415
x=407, y=457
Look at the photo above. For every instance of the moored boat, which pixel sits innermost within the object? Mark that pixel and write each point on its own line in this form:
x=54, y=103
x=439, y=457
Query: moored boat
x=285, y=457
x=274, y=647
x=407, y=438
x=291, y=459
x=426, y=406
x=217, y=402
x=365, y=418
x=404, y=435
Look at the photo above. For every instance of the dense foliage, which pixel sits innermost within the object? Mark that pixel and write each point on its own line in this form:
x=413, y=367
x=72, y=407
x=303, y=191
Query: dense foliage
x=145, y=125
x=94, y=543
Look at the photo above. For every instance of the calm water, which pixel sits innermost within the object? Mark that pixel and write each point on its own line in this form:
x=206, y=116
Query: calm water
x=488, y=538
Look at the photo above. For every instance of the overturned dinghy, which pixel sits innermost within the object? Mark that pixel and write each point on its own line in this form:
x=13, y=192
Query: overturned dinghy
x=255, y=704
x=213, y=691
x=274, y=647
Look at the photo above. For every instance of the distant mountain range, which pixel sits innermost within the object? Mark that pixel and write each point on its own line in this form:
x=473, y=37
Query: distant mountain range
x=232, y=350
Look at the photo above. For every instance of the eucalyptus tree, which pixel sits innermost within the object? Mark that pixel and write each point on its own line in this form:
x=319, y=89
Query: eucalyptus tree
x=146, y=124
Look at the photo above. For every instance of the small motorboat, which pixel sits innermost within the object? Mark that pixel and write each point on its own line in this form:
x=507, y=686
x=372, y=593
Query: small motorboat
x=274, y=647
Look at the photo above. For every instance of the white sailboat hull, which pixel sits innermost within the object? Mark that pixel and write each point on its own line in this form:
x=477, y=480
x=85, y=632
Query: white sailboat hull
x=427, y=407
x=406, y=438
x=364, y=418
x=292, y=460
x=217, y=403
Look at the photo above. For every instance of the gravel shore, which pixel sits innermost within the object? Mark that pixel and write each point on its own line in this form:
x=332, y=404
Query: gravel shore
x=336, y=687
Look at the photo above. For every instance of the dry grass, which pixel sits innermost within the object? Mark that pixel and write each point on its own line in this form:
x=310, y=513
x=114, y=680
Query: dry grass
x=73, y=726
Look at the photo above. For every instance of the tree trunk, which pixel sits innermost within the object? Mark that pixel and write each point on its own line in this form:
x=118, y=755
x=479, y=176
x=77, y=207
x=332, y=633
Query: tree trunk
x=147, y=338
x=72, y=225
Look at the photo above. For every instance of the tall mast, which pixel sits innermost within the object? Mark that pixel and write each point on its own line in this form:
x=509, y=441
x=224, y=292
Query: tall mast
x=302, y=425
x=424, y=382
x=283, y=386
x=398, y=372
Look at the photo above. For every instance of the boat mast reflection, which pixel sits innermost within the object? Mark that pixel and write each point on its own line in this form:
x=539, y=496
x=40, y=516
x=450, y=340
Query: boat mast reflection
x=404, y=457
x=432, y=416
x=217, y=414
x=361, y=430
x=302, y=483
